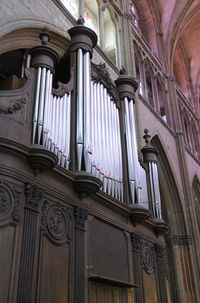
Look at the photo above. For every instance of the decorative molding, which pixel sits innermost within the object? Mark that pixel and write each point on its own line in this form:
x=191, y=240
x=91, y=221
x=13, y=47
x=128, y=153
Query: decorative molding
x=57, y=221
x=9, y=202
x=33, y=197
x=101, y=74
x=185, y=239
x=136, y=242
x=80, y=218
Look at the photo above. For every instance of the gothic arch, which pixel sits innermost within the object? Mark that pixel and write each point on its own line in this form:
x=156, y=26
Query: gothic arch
x=171, y=204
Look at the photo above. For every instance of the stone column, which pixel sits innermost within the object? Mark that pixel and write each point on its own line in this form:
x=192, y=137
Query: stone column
x=161, y=273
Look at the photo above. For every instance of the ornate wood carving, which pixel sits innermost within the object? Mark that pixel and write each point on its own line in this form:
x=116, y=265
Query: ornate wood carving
x=12, y=105
x=57, y=221
x=136, y=242
x=33, y=197
x=147, y=258
x=9, y=202
x=80, y=218
x=101, y=74
x=64, y=88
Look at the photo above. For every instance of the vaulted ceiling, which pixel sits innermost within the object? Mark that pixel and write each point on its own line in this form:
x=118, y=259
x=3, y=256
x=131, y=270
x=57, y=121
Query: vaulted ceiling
x=172, y=28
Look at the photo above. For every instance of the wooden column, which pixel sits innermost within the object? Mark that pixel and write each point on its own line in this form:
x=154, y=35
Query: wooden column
x=136, y=242
x=32, y=209
x=80, y=219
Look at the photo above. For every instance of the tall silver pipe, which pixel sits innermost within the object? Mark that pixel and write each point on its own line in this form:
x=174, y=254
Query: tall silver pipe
x=120, y=159
x=61, y=130
x=50, y=123
x=41, y=104
x=92, y=128
x=96, y=140
x=157, y=191
x=134, y=142
x=79, y=129
x=68, y=130
x=37, y=95
x=46, y=105
x=99, y=128
x=129, y=150
x=63, y=156
x=108, y=141
x=152, y=189
x=104, y=160
x=87, y=113
x=113, y=148
x=53, y=136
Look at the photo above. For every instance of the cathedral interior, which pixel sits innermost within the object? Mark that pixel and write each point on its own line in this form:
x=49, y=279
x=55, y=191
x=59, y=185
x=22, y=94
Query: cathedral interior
x=99, y=151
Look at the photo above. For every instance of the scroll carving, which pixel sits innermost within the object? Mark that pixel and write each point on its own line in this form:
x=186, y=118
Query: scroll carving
x=64, y=88
x=101, y=74
x=13, y=104
x=57, y=221
x=9, y=202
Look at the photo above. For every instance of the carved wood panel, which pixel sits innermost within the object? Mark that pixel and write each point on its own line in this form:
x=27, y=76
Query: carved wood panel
x=55, y=256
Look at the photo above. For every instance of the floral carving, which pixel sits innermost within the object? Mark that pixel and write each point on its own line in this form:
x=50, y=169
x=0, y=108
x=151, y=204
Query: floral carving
x=101, y=74
x=13, y=105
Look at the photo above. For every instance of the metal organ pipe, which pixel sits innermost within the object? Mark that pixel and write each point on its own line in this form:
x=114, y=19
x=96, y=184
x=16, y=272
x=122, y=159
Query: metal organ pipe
x=79, y=128
x=129, y=151
x=87, y=111
x=37, y=95
x=104, y=139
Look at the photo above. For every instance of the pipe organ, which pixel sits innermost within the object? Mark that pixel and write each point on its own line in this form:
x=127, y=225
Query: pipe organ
x=98, y=105
x=51, y=120
x=155, y=192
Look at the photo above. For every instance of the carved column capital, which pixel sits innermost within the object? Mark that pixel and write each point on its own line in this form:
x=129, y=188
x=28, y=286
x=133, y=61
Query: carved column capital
x=80, y=218
x=159, y=251
x=33, y=197
x=136, y=242
x=184, y=240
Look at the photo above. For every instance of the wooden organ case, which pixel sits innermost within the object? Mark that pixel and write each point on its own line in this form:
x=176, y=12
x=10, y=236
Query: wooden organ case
x=80, y=214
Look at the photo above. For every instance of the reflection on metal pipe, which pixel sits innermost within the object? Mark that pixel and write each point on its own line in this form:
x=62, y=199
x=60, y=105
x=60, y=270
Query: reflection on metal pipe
x=105, y=141
x=87, y=112
x=79, y=120
x=37, y=94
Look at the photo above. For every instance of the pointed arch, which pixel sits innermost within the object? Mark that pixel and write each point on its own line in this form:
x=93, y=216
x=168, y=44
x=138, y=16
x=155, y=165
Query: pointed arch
x=171, y=203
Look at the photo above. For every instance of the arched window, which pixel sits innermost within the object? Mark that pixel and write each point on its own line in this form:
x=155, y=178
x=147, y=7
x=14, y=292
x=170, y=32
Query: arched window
x=91, y=15
x=110, y=35
x=134, y=14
